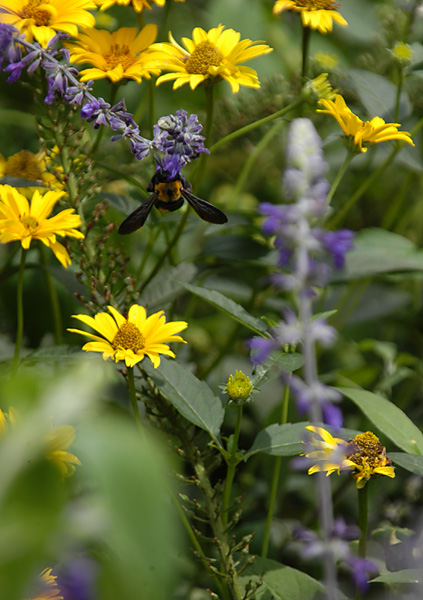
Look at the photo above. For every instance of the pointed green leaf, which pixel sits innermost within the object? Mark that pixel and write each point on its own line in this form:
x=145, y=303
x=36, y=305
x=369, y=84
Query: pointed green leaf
x=404, y=576
x=387, y=418
x=228, y=306
x=279, y=582
x=411, y=462
x=279, y=440
x=191, y=397
x=285, y=362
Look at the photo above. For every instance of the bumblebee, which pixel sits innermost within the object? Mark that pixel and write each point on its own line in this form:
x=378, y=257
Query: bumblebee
x=169, y=195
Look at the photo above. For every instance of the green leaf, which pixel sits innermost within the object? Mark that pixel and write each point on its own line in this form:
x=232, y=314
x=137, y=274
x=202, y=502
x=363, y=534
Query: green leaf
x=228, y=306
x=387, y=418
x=20, y=182
x=378, y=95
x=61, y=353
x=279, y=582
x=377, y=251
x=191, y=397
x=404, y=576
x=168, y=285
x=287, y=439
x=285, y=362
x=279, y=440
x=410, y=462
x=235, y=247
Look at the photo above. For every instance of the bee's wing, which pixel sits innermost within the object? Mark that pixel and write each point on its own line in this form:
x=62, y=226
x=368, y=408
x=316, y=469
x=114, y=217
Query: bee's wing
x=137, y=218
x=206, y=211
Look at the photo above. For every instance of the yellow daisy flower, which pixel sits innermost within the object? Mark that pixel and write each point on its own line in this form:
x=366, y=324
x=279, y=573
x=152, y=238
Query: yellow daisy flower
x=131, y=339
x=119, y=55
x=369, y=458
x=48, y=587
x=330, y=452
x=137, y=5
x=364, y=456
x=56, y=442
x=24, y=221
x=316, y=14
x=362, y=132
x=41, y=19
x=210, y=56
x=29, y=166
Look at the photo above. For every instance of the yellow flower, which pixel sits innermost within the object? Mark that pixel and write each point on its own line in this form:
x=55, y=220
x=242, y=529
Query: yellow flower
x=26, y=221
x=41, y=19
x=210, y=56
x=131, y=339
x=239, y=388
x=48, y=587
x=56, y=442
x=330, y=452
x=316, y=14
x=119, y=55
x=363, y=456
x=319, y=88
x=29, y=166
x=369, y=458
x=362, y=132
x=137, y=5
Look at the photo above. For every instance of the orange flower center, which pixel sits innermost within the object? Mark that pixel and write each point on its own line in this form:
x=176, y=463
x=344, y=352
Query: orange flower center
x=42, y=16
x=23, y=164
x=204, y=56
x=128, y=337
x=119, y=55
x=366, y=450
x=316, y=4
x=30, y=223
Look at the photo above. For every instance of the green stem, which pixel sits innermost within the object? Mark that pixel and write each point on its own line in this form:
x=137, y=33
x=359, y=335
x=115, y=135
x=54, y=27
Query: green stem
x=248, y=165
x=252, y=126
x=306, y=48
x=54, y=299
x=232, y=464
x=168, y=249
x=209, y=92
x=151, y=103
x=19, y=313
x=362, y=523
x=350, y=155
x=275, y=478
x=398, y=96
x=362, y=520
x=152, y=237
x=140, y=20
x=133, y=397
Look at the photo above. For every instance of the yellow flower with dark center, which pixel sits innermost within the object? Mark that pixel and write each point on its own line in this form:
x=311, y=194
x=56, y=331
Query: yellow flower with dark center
x=209, y=57
x=48, y=587
x=362, y=132
x=119, y=55
x=29, y=166
x=369, y=458
x=137, y=5
x=56, y=442
x=316, y=14
x=42, y=19
x=24, y=221
x=364, y=456
x=132, y=338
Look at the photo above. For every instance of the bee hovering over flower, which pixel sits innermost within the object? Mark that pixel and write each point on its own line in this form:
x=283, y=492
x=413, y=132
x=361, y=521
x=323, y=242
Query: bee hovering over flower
x=178, y=138
x=168, y=194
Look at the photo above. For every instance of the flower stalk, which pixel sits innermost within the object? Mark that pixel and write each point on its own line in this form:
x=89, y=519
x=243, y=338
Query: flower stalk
x=19, y=312
x=232, y=463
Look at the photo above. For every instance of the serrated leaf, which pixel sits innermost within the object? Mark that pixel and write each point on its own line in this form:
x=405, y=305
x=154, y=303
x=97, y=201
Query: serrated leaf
x=191, y=397
x=410, y=462
x=404, y=576
x=167, y=285
x=279, y=582
x=387, y=418
x=285, y=362
x=377, y=251
x=228, y=306
x=62, y=353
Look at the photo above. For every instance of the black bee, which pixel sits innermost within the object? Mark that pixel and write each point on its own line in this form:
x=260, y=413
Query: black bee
x=168, y=195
